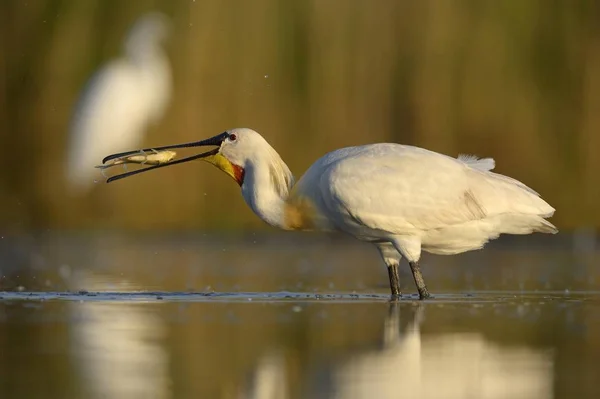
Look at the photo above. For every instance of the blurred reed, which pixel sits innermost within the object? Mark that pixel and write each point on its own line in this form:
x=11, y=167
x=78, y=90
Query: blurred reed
x=515, y=80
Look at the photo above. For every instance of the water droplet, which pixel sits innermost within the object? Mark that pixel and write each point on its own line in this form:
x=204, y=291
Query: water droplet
x=266, y=76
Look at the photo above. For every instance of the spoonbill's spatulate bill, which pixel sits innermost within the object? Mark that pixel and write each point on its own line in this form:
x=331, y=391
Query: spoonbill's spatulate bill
x=403, y=199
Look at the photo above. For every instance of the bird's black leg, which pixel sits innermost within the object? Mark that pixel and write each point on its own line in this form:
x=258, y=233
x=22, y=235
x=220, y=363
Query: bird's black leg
x=394, y=280
x=416, y=271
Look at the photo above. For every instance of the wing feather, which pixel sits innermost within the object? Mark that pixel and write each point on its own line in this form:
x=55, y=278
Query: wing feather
x=400, y=189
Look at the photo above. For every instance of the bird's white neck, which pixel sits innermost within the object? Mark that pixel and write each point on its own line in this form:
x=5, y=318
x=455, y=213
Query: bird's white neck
x=266, y=189
x=146, y=55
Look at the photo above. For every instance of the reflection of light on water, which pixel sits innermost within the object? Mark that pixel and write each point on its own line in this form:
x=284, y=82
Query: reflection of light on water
x=117, y=348
x=463, y=365
x=268, y=379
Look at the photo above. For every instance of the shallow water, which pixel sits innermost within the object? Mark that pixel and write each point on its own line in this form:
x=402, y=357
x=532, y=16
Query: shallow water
x=293, y=316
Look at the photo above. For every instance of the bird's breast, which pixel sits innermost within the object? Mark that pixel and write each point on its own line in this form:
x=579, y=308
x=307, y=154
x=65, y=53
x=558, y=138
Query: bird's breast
x=300, y=213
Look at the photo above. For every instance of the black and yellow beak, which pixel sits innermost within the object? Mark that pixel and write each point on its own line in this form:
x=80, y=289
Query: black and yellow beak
x=213, y=156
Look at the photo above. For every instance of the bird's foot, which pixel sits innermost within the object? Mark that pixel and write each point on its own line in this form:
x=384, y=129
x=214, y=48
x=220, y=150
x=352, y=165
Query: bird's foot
x=424, y=294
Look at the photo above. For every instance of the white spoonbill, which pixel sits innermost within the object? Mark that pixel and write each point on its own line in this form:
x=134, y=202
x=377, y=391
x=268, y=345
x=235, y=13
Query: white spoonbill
x=403, y=199
x=120, y=101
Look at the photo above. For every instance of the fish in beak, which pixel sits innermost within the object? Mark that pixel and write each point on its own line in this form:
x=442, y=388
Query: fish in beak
x=213, y=156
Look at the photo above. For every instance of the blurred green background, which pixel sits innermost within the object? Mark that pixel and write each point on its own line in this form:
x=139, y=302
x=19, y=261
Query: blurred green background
x=516, y=80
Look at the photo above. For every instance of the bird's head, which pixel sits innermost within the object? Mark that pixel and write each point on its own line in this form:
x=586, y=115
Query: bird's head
x=236, y=151
x=148, y=32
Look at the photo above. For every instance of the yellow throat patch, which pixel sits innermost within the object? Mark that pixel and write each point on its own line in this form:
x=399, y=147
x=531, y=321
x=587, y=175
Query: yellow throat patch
x=234, y=171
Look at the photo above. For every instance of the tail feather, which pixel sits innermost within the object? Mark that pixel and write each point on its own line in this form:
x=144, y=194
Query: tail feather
x=520, y=209
x=546, y=227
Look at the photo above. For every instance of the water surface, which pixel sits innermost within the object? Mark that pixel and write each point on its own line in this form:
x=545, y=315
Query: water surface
x=292, y=316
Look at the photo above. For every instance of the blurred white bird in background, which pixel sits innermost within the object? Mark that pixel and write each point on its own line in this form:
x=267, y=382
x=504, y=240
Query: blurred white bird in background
x=121, y=101
x=401, y=198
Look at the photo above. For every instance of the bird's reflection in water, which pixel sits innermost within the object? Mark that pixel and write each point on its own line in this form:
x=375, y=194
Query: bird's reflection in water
x=448, y=365
x=268, y=380
x=408, y=364
x=117, y=347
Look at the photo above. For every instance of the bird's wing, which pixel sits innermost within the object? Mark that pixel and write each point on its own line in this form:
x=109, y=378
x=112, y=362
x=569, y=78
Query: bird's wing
x=400, y=189
x=108, y=118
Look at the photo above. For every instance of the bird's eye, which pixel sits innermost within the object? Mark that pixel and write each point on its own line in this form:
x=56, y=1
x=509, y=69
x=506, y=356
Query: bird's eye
x=232, y=137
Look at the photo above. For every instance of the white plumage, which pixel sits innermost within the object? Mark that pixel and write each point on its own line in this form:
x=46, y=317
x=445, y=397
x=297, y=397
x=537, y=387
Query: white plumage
x=120, y=101
x=398, y=192
x=403, y=199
